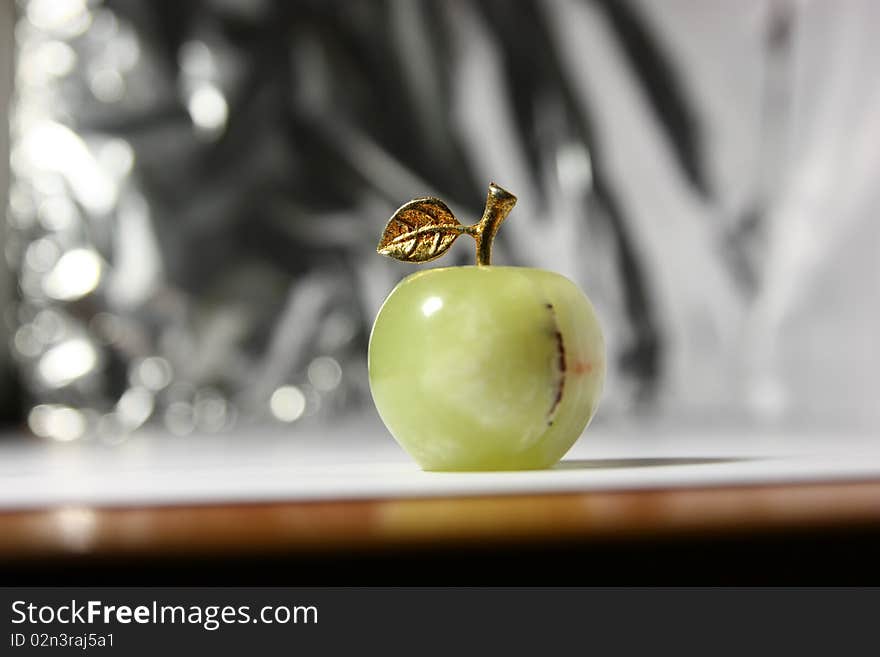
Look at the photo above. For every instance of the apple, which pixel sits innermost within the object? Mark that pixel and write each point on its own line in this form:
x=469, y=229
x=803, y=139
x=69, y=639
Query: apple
x=481, y=367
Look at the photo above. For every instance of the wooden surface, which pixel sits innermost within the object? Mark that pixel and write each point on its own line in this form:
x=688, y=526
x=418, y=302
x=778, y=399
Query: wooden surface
x=291, y=528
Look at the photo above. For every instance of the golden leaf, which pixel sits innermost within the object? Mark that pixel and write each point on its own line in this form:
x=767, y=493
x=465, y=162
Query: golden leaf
x=420, y=231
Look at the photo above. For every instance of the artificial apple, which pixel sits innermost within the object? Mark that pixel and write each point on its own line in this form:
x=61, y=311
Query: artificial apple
x=481, y=367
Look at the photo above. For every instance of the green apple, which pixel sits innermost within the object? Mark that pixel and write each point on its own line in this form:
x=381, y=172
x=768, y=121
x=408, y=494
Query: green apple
x=485, y=367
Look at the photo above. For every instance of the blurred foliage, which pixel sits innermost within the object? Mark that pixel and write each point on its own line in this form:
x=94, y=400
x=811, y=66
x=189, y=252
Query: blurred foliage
x=271, y=141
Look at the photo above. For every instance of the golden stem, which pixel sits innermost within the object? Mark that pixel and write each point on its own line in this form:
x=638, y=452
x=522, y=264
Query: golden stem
x=499, y=203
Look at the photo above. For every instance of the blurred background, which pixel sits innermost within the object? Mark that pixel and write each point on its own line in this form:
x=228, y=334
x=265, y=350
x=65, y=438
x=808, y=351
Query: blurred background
x=195, y=191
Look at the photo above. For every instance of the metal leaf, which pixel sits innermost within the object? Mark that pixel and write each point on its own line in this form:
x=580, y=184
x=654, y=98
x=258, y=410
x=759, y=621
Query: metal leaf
x=420, y=231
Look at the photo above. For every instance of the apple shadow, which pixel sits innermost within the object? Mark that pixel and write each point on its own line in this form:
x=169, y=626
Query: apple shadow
x=609, y=464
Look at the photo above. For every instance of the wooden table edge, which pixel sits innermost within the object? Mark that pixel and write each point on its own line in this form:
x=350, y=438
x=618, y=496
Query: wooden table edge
x=363, y=525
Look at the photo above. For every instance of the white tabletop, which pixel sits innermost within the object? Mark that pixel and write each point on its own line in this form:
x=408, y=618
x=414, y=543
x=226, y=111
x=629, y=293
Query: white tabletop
x=357, y=459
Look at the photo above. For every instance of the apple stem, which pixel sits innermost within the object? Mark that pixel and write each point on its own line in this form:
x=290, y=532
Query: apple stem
x=499, y=203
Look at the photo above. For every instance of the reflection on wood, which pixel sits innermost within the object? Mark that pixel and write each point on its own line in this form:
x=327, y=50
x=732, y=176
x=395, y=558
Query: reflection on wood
x=411, y=523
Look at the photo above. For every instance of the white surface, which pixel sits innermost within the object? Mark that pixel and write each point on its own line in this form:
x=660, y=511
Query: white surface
x=360, y=461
